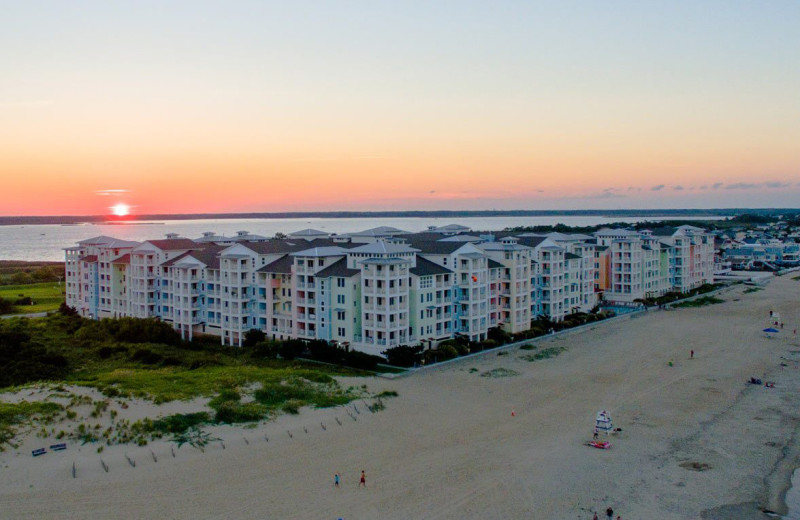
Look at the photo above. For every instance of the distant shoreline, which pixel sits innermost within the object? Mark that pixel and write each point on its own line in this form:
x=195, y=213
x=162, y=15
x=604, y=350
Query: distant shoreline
x=610, y=213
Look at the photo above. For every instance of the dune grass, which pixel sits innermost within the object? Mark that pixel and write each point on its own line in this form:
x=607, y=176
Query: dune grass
x=14, y=414
x=700, y=302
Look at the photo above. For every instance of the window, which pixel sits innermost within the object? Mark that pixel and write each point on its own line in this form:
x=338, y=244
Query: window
x=340, y=298
x=340, y=282
x=341, y=331
x=340, y=315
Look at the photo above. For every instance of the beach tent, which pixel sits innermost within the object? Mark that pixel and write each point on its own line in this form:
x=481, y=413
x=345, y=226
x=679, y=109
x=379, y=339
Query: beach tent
x=770, y=331
x=603, y=422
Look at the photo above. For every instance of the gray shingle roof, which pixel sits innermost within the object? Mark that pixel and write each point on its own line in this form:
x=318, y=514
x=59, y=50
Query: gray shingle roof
x=282, y=265
x=434, y=247
x=383, y=248
x=173, y=244
x=427, y=268
x=321, y=251
x=494, y=264
x=338, y=269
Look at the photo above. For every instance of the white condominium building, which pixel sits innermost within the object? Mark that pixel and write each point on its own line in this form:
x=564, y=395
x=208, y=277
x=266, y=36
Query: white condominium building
x=379, y=288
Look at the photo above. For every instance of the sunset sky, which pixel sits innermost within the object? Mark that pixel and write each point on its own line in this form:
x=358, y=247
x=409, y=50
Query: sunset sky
x=189, y=107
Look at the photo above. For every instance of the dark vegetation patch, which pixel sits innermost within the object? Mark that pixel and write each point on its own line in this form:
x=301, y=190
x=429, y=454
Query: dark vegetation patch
x=695, y=466
x=700, y=302
x=545, y=353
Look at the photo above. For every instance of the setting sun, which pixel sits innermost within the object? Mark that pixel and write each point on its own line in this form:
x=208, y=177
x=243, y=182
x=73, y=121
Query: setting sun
x=120, y=210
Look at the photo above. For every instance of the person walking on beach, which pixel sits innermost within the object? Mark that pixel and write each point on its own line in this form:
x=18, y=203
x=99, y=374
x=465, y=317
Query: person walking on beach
x=595, y=517
x=610, y=513
x=363, y=481
x=336, y=478
x=594, y=435
x=691, y=354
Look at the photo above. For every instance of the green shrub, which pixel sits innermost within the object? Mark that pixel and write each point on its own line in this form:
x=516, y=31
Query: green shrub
x=233, y=412
x=404, y=355
x=179, y=423
x=252, y=337
x=361, y=360
x=447, y=352
x=291, y=349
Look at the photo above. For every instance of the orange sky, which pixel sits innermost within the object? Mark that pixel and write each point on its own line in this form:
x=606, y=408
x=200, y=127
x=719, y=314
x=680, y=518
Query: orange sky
x=430, y=112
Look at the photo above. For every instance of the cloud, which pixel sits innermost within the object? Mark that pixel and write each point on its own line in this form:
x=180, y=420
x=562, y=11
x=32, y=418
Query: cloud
x=677, y=188
x=704, y=187
x=742, y=186
x=756, y=185
x=106, y=193
x=657, y=187
x=607, y=195
x=716, y=185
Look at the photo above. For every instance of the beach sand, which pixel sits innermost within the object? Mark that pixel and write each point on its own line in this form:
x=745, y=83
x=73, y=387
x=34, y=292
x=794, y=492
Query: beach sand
x=696, y=441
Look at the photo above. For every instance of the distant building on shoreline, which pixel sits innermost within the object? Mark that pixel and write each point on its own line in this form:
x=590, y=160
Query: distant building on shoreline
x=381, y=287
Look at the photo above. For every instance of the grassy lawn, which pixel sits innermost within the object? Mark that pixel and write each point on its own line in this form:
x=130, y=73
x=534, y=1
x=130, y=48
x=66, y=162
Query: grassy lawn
x=47, y=296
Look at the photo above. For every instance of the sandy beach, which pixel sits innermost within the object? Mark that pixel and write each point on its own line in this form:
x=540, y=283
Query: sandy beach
x=696, y=441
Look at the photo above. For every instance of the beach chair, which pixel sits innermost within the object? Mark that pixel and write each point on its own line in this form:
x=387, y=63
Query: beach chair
x=40, y=451
x=58, y=447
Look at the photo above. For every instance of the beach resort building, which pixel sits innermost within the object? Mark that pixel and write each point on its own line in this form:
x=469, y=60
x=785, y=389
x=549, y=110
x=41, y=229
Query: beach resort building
x=379, y=288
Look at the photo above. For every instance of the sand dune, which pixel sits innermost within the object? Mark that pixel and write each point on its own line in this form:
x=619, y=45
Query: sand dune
x=695, y=441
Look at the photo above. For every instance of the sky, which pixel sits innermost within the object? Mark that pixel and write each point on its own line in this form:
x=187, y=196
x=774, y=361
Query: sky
x=239, y=106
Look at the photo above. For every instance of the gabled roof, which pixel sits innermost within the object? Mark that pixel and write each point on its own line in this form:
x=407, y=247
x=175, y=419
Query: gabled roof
x=210, y=236
x=500, y=246
x=205, y=254
x=172, y=261
x=494, y=264
x=694, y=229
x=427, y=268
x=104, y=240
x=379, y=232
x=244, y=236
x=282, y=265
x=271, y=247
x=434, y=247
x=663, y=231
x=308, y=233
x=173, y=244
x=124, y=259
x=322, y=251
x=572, y=256
x=461, y=238
x=450, y=228
x=338, y=269
x=531, y=241
x=381, y=247
x=89, y=259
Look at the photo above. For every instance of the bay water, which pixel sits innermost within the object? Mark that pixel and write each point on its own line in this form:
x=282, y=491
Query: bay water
x=46, y=242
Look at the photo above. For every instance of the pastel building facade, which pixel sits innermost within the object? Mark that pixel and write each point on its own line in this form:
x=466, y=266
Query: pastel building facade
x=379, y=288
x=635, y=265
